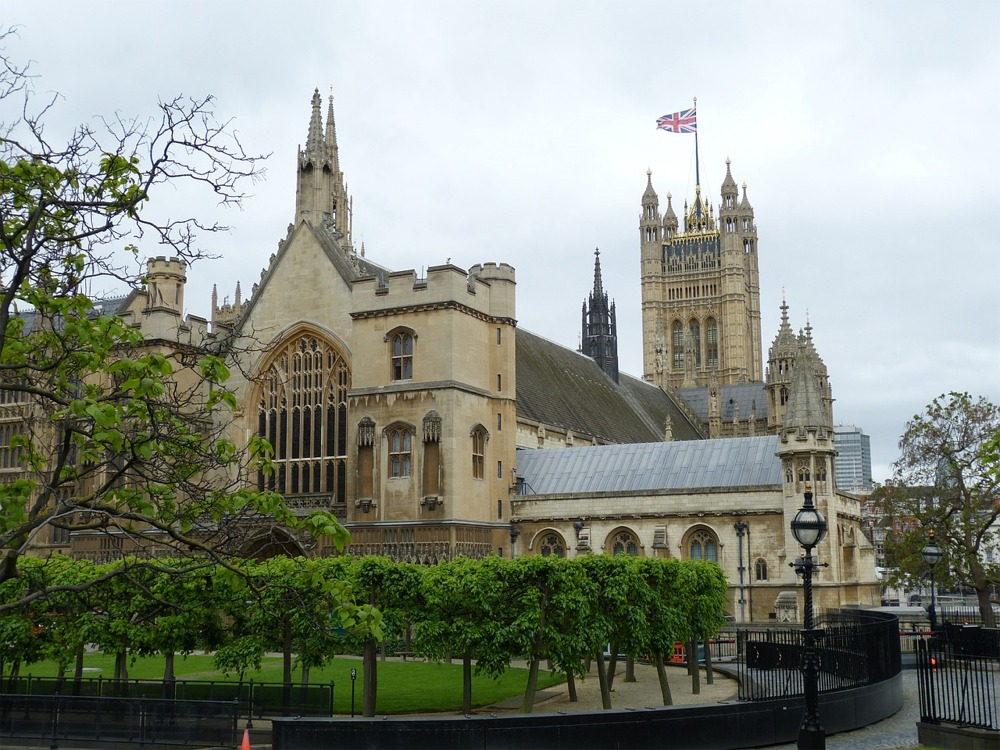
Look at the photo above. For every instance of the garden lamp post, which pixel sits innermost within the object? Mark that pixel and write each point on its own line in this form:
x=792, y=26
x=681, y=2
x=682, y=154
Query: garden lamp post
x=809, y=527
x=932, y=555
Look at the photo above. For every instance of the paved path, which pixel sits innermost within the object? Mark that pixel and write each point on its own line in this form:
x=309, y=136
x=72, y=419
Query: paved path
x=898, y=731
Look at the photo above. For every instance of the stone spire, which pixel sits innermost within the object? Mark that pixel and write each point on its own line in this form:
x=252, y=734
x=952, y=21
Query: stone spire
x=599, y=338
x=314, y=139
x=321, y=197
x=331, y=135
x=806, y=410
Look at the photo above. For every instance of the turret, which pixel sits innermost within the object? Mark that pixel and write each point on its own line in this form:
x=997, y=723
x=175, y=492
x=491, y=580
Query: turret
x=165, y=280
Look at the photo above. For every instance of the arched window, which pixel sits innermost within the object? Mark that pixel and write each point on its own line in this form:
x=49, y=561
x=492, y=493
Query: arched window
x=760, y=569
x=402, y=356
x=712, y=342
x=552, y=544
x=478, y=452
x=695, y=328
x=677, y=345
x=624, y=543
x=702, y=545
x=400, y=441
x=302, y=411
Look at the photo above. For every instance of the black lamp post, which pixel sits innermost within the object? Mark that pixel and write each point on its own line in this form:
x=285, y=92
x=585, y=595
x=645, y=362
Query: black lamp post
x=932, y=555
x=514, y=534
x=742, y=527
x=809, y=528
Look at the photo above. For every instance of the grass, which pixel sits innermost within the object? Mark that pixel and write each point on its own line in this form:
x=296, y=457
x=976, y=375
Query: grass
x=403, y=687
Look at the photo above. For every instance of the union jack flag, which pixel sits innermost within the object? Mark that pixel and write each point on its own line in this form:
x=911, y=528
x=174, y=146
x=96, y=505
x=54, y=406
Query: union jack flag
x=685, y=121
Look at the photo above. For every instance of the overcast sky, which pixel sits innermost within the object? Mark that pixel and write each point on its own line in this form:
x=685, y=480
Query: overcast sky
x=866, y=132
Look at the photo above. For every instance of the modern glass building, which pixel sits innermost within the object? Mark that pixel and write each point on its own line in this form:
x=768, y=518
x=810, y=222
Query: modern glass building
x=854, y=459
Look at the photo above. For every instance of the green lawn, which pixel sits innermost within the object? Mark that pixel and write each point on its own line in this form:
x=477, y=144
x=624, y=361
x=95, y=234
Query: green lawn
x=403, y=687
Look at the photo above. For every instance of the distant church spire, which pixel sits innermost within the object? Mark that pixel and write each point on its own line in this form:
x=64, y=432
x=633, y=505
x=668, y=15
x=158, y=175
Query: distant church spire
x=600, y=330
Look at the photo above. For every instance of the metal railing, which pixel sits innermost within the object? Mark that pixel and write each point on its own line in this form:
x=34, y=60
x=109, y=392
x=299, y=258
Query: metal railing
x=957, y=678
x=854, y=648
x=253, y=698
x=137, y=721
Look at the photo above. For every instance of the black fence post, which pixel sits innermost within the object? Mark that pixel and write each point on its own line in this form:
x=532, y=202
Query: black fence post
x=55, y=722
x=250, y=705
x=332, y=685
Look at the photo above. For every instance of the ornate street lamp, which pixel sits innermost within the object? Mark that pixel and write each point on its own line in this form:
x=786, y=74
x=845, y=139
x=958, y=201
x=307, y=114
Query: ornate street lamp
x=809, y=527
x=932, y=555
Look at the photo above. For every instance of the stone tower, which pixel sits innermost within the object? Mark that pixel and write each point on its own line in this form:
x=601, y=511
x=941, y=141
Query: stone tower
x=700, y=290
x=321, y=196
x=600, y=329
x=807, y=453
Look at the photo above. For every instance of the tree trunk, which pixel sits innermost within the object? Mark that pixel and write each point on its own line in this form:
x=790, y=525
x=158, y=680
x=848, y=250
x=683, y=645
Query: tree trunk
x=78, y=669
x=571, y=686
x=661, y=675
x=286, y=650
x=612, y=666
x=693, y=667
x=369, y=688
x=985, y=605
x=629, y=669
x=305, y=676
x=168, y=666
x=529, y=691
x=467, y=683
x=602, y=679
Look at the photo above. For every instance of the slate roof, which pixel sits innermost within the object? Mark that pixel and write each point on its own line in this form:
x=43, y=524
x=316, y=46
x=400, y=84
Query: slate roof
x=744, y=394
x=563, y=388
x=692, y=465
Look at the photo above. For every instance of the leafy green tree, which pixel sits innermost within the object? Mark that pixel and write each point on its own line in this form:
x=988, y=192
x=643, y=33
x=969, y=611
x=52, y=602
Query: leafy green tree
x=393, y=590
x=464, y=612
x=117, y=436
x=946, y=480
x=620, y=607
x=552, y=618
x=666, y=616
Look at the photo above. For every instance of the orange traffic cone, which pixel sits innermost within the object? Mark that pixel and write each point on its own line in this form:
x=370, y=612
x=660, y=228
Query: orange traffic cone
x=246, y=740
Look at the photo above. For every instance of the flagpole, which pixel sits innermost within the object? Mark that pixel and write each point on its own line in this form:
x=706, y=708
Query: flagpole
x=697, y=169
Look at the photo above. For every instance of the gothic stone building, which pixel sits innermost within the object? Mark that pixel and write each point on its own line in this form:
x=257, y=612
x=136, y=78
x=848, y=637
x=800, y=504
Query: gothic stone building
x=415, y=408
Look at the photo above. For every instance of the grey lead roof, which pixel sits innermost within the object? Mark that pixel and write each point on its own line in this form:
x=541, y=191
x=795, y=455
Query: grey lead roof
x=649, y=467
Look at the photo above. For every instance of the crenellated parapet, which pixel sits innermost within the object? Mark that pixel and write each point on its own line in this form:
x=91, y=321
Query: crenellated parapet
x=486, y=290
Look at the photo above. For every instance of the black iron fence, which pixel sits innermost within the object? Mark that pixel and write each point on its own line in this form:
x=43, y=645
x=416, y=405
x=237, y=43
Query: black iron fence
x=957, y=677
x=136, y=721
x=854, y=648
x=256, y=699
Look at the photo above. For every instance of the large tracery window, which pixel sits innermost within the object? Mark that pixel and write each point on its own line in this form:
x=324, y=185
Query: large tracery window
x=303, y=413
